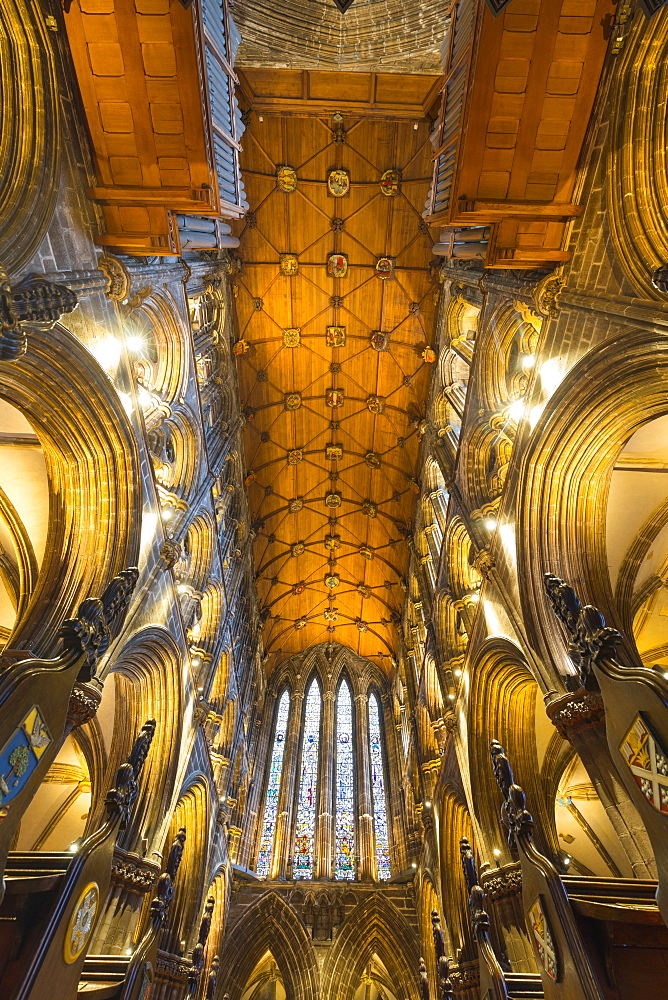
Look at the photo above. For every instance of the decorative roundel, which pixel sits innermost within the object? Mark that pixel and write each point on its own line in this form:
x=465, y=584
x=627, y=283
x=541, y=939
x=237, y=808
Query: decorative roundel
x=82, y=920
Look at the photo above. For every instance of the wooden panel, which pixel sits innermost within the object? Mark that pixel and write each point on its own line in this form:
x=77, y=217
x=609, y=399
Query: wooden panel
x=517, y=137
x=148, y=112
x=304, y=222
x=383, y=95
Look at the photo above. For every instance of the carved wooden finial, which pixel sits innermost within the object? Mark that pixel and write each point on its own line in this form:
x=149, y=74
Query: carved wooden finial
x=424, y=981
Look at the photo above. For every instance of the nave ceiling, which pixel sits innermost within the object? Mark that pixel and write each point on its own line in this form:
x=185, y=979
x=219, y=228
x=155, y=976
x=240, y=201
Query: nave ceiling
x=333, y=432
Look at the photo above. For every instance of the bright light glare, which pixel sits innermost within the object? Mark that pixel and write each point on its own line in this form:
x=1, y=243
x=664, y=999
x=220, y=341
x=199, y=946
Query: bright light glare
x=107, y=351
x=551, y=375
x=144, y=398
x=451, y=696
x=126, y=401
x=516, y=410
x=458, y=673
x=474, y=597
x=490, y=524
x=134, y=344
x=181, y=589
x=168, y=513
x=496, y=852
x=528, y=361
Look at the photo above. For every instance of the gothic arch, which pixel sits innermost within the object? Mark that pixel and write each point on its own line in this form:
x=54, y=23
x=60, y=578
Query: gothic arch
x=92, y=464
x=193, y=811
x=374, y=926
x=270, y=924
x=567, y=469
x=146, y=674
x=502, y=706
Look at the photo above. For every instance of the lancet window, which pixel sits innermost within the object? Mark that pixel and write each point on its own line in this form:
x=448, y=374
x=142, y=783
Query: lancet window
x=308, y=785
x=344, y=804
x=273, y=788
x=380, y=828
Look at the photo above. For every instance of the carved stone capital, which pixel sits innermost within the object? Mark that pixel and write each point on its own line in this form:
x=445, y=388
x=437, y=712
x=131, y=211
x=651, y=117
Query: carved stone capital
x=576, y=712
x=172, y=968
x=132, y=872
x=31, y=300
x=118, y=277
x=170, y=552
x=484, y=562
x=500, y=883
x=546, y=294
x=84, y=702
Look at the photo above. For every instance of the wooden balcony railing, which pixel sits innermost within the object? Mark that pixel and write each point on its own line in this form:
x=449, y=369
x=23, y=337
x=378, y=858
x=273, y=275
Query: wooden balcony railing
x=157, y=85
x=516, y=100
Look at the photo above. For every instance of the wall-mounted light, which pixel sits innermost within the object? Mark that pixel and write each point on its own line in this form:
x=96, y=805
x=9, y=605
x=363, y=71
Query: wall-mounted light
x=490, y=524
x=458, y=673
x=496, y=852
x=528, y=361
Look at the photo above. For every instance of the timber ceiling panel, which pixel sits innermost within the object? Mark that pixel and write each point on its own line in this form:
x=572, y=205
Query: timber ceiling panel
x=333, y=571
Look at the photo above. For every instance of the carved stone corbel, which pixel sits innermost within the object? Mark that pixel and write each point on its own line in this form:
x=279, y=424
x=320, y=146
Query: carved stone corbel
x=32, y=300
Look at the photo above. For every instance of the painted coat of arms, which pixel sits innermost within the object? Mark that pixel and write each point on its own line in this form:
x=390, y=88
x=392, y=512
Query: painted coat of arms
x=286, y=179
x=332, y=581
x=379, y=340
x=331, y=614
x=333, y=499
x=21, y=755
x=338, y=183
x=332, y=542
x=292, y=401
x=366, y=552
x=298, y=549
x=333, y=452
x=335, y=336
x=385, y=267
x=295, y=505
x=298, y=589
x=295, y=457
x=542, y=937
x=334, y=397
x=369, y=508
x=288, y=263
x=337, y=265
x=648, y=762
x=241, y=347
x=390, y=183
x=292, y=337
x=372, y=460
x=428, y=355
x=376, y=404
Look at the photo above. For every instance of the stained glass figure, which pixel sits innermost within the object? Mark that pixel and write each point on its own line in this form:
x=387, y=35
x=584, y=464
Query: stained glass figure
x=273, y=786
x=378, y=791
x=308, y=786
x=344, y=865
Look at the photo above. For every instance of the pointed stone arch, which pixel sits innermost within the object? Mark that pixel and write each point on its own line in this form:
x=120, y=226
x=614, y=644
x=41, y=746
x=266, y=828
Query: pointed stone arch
x=375, y=926
x=270, y=924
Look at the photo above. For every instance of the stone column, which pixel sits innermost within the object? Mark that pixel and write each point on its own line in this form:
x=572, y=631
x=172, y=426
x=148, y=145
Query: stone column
x=283, y=845
x=325, y=844
x=580, y=719
x=365, y=841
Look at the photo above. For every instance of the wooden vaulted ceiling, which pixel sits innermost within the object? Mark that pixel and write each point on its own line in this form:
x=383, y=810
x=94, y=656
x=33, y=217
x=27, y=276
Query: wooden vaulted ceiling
x=302, y=542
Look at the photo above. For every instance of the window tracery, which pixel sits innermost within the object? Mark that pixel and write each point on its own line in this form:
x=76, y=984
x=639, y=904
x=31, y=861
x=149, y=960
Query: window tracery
x=273, y=788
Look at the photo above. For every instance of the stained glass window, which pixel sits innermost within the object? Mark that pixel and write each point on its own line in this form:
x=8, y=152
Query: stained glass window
x=308, y=786
x=344, y=865
x=273, y=787
x=378, y=791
